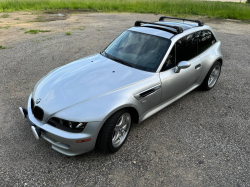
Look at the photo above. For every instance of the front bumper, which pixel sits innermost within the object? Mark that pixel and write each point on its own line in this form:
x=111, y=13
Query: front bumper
x=65, y=142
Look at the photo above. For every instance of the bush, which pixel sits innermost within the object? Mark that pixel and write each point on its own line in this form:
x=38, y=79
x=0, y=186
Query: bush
x=248, y=1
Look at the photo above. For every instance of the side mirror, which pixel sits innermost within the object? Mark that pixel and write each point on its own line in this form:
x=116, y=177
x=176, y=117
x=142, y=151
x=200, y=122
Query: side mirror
x=182, y=65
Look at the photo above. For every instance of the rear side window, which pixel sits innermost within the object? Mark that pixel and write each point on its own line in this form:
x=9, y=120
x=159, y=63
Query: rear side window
x=206, y=39
x=186, y=48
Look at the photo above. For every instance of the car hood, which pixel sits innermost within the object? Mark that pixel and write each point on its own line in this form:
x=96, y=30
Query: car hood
x=82, y=80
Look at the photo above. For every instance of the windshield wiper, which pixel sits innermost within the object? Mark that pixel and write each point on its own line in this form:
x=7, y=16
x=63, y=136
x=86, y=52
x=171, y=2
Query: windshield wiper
x=105, y=54
x=122, y=62
x=116, y=59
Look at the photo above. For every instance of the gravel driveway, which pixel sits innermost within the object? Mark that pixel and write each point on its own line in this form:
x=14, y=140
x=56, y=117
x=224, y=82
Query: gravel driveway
x=200, y=140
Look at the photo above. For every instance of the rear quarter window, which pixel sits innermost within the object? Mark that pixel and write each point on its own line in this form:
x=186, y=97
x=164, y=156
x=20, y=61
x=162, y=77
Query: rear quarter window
x=186, y=48
x=205, y=40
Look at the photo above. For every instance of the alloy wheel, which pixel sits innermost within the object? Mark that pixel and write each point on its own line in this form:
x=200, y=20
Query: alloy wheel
x=121, y=130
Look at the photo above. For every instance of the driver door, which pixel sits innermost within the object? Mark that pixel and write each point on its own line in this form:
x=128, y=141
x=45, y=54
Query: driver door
x=173, y=83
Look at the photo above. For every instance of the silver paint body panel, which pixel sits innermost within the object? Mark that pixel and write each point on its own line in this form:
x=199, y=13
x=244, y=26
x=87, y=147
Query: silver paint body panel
x=93, y=88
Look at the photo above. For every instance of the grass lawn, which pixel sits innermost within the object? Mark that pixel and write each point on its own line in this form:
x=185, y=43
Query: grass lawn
x=171, y=7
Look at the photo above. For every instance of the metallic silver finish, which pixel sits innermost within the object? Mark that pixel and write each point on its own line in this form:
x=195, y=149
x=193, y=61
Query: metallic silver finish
x=182, y=65
x=55, y=143
x=176, y=83
x=93, y=88
x=33, y=129
x=121, y=130
x=165, y=104
x=80, y=81
x=215, y=73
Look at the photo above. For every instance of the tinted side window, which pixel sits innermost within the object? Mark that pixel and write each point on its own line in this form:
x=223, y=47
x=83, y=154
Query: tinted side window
x=206, y=39
x=170, y=62
x=186, y=48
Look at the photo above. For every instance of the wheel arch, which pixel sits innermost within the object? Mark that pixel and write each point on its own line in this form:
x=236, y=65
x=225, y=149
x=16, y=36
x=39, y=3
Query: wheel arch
x=220, y=60
x=209, y=66
x=132, y=110
x=134, y=114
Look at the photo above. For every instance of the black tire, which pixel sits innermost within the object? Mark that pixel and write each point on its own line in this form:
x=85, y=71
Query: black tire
x=205, y=86
x=104, y=140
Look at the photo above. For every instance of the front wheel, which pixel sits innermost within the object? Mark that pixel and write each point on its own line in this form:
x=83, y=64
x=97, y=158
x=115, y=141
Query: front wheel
x=114, y=131
x=212, y=77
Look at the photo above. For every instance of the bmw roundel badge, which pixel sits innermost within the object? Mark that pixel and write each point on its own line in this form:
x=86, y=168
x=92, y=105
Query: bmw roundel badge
x=38, y=101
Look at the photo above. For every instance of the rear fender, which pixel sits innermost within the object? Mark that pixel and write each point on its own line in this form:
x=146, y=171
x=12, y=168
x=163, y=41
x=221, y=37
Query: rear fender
x=209, y=57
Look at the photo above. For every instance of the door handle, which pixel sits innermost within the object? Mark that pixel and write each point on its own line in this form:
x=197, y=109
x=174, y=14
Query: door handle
x=198, y=66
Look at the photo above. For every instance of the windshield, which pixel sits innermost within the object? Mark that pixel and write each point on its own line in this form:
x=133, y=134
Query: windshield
x=138, y=50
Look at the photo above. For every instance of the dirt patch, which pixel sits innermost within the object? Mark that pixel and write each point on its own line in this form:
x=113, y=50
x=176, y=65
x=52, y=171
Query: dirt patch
x=61, y=14
x=14, y=26
x=53, y=16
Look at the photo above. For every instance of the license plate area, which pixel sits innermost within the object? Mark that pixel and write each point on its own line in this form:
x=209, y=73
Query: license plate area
x=30, y=122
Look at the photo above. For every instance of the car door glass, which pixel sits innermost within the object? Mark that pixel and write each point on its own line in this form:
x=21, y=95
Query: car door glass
x=170, y=62
x=186, y=48
x=206, y=39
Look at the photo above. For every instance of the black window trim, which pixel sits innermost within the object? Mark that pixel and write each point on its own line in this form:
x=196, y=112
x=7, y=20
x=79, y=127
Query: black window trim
x=197, y=48
x=211, y=45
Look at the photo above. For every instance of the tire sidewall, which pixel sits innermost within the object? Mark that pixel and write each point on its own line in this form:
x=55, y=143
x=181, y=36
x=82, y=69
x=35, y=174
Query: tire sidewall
x=105, y=143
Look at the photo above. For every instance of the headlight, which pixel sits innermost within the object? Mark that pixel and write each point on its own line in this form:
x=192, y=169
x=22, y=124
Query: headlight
x=65, y=125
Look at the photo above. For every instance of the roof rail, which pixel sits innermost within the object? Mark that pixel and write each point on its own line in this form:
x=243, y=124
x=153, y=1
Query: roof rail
x=200, y=23
x=178, y=29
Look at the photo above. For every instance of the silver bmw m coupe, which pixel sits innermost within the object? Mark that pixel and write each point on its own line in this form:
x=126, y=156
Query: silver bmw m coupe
x=93, y=101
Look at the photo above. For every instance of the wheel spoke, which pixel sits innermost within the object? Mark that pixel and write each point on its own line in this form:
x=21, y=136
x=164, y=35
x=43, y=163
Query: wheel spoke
x=213, y=72
x=124, y=127
x=120, y=122
x=116, y=136
x=214, y=76
x=217, y=72
x=210, y=79
x=123, y=132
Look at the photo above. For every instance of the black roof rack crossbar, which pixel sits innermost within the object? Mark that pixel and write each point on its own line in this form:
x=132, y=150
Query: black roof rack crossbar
x=178, y=29
x=200, y=23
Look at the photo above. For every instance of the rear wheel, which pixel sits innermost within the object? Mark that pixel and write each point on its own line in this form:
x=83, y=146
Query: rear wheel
x=212, y=77
x=114, y=131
